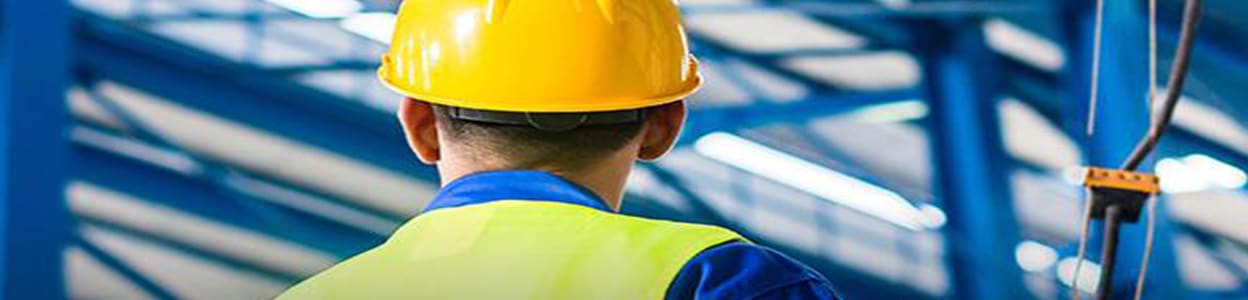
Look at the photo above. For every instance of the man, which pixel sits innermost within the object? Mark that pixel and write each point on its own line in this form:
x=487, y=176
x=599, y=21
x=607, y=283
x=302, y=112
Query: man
x=534, y=112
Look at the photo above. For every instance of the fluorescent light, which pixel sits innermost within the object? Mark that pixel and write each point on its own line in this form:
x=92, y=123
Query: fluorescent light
x=1218, y=173
x=321, y=9
x=1198, y=172
x=1089, y=275
x=1177, y=177
x=894, y=4
x=1033, y=256
x=1023, y=44
x=375, y=26
x=893, y=112
x=933, y=217
x=811, y=178
x=871, y=71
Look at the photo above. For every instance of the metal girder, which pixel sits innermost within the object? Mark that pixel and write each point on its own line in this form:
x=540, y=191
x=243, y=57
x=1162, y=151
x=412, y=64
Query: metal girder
x=127, y=271
x=962, y=87
x=34, y=74
x=1121, y=119
x=196, y=16
x=931, y=10
x=1217, y=65
x=770, y=63
x=852, y=283
x=1183, y=141
x=1067, y=108
x=199, y=197
x=875, y=10
x=708, y=120
x=350, y=65
x=1209, y=241
x=211, y=84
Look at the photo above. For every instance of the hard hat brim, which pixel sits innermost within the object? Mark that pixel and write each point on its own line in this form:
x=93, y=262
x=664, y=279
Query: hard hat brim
x=551, y=105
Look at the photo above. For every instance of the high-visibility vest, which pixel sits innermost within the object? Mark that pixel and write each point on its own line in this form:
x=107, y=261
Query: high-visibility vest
x=519, y=250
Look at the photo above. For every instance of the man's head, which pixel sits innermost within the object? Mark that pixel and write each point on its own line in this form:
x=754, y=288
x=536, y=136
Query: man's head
x=436, y=137
x=544, y=61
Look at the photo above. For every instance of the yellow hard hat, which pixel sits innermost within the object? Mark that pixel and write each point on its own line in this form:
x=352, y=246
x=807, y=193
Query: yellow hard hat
x=541, y=56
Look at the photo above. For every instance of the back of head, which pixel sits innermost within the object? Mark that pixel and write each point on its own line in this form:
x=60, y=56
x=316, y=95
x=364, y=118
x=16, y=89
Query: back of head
x=522, y=147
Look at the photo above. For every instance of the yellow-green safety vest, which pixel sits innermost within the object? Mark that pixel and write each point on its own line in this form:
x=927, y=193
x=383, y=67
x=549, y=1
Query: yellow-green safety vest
x=519, y=250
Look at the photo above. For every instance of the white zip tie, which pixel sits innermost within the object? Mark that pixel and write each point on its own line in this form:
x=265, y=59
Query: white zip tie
x=1096, y=67
x=1148, y=246
x=1083, y=243
x=1152, y=60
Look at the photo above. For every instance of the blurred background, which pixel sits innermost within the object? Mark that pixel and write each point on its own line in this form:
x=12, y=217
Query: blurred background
x=907, y=149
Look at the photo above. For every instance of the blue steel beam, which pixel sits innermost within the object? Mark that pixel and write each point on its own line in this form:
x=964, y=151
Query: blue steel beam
x=255, y=21
x=204, y=199
x=962, y=87
x=209, y=170
x=1216, y=63
x=770, y=63
x=211, y=84
x=144, y=283
x=1210, y=241
x=34, y=74
x=918, y=10
x=1182, y=142
x=708, y=120
x=170, y=244
x=1121, y=119
x=1068, y=108
x=852, y=283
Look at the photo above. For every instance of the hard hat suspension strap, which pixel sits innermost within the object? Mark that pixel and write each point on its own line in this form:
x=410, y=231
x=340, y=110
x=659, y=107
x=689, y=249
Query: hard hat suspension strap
x=554, y=122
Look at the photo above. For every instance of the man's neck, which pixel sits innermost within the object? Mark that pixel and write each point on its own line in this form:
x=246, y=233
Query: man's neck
x=606, y=180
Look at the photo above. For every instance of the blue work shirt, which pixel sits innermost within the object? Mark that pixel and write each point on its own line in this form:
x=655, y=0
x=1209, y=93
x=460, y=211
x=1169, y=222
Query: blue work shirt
x=734, y=270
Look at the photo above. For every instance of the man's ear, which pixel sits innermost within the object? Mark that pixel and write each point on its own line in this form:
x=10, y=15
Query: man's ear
x=420, y=127
x=661, y=130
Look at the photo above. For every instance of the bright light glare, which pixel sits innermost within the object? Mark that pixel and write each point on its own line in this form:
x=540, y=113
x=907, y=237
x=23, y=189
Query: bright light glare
x=1033, y=256
x=1073, y=175
x=375, y=26
x=811, y=178
x=1218, y=173
x=1198, y=172
x=321, y=9
x=894, y=4
x=933, y=217
x=1089, y=275
x=1177, y=177
x=466, y=25
x=893, y=112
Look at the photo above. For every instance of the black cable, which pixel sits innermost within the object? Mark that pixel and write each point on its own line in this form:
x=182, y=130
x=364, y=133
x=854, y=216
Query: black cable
x=1174, y=91
x=1113, y=215
x=1174, y=88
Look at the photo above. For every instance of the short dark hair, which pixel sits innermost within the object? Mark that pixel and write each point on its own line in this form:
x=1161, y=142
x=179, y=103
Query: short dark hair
x=526, y=147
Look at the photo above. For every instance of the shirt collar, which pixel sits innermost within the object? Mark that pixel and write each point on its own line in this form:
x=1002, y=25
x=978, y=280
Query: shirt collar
x=493, y=186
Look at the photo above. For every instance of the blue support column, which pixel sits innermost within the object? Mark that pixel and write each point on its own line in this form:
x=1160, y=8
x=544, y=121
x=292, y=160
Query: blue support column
x=972, y=179
x=1121, y=119
x=34, y=75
